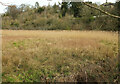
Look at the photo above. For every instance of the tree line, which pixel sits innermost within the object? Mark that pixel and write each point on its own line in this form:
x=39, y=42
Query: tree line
x=64, y=16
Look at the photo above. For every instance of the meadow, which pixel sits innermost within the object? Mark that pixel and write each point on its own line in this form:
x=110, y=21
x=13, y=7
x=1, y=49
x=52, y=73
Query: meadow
x=59, y=56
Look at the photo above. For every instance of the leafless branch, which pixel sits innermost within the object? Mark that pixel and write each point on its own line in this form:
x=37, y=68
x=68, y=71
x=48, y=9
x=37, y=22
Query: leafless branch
x=6, y=4
x=115, y=16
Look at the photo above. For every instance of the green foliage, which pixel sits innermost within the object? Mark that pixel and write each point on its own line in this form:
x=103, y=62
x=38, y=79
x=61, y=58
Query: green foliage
x=68, y=16
x=11, y=79
x=14, y=24
x=40, y=10
x=76, y=8
x=64, y=8
x=18, y=44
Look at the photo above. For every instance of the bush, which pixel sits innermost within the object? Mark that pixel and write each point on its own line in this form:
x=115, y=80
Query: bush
x=14, y=23
x=59, y=24
x=40, y=10
x=51, y=19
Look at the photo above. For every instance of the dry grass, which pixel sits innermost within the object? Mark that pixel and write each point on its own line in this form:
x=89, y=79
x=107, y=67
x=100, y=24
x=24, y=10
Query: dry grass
x=59, y=56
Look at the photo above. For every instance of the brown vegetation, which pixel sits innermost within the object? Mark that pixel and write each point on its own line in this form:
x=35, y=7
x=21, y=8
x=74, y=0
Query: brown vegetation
x=60, y=56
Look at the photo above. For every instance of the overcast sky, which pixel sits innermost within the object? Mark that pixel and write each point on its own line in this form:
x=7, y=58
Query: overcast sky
x=41, y=2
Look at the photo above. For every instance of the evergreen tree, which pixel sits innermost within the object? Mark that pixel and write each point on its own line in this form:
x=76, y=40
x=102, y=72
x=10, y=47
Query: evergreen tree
x=76, y=8
x=36, y=5
x=64, y=8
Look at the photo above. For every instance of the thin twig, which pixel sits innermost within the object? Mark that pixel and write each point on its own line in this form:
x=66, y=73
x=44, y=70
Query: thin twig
x=6, y=4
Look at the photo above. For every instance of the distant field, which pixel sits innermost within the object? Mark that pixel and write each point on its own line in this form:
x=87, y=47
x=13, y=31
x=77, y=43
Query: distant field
x=51, y=56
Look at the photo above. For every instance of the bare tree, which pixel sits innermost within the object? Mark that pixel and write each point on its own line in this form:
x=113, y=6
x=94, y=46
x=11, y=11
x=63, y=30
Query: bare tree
x=13, y=11
x=6, y=4
x=109, y=14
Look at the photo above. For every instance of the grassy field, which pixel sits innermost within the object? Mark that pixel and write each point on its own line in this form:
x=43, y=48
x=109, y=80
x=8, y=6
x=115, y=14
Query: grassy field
x=62, y=56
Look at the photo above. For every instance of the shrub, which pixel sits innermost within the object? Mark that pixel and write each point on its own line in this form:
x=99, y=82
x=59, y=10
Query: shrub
x=40, y=10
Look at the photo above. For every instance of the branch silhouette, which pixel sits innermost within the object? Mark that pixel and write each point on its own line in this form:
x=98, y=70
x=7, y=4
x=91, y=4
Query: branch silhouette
x=6, y=4
x=109, y=14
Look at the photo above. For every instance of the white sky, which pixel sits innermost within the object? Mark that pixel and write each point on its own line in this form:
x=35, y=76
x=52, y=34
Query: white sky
x=41, y=2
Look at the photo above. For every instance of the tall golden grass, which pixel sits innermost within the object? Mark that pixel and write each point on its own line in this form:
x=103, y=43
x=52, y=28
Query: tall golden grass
x=62, y=56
